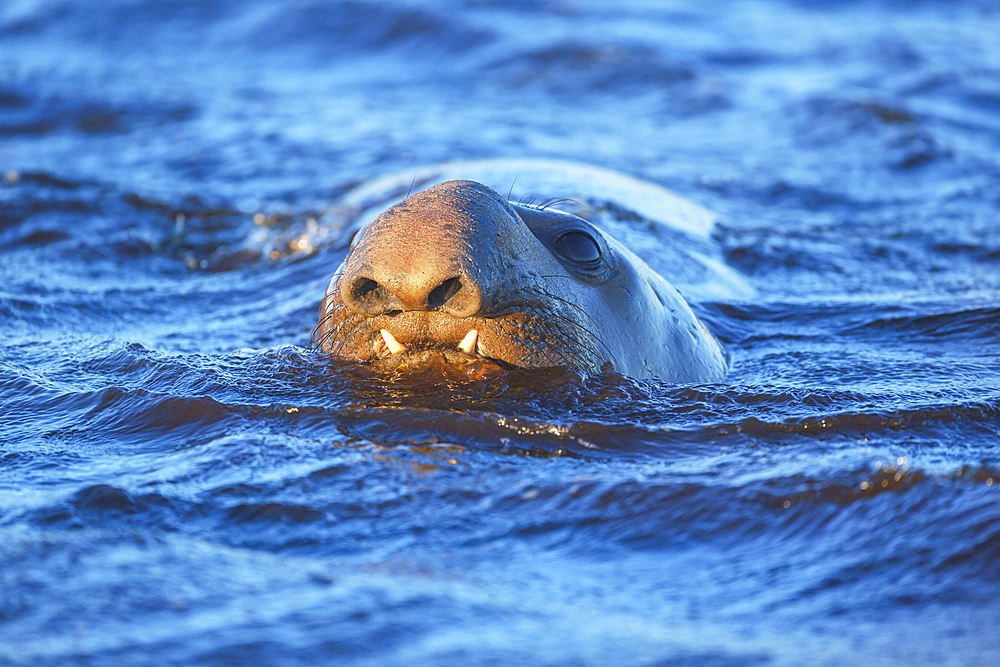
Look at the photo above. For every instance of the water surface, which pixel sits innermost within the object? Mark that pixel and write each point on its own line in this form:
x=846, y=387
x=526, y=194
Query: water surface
x=183, y=482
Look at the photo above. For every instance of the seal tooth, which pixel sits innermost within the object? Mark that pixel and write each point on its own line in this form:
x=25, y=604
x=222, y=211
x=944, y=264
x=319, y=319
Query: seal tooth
x=468, y=344
x=390, y=342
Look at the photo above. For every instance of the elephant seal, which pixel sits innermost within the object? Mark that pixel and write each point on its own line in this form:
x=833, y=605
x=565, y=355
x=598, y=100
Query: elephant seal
x=458, y=273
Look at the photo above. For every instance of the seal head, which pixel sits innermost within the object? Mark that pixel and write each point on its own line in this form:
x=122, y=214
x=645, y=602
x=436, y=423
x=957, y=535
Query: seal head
x=456, y=272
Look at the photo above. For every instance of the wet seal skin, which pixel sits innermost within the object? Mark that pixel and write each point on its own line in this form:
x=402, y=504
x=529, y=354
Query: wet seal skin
x=458, y=276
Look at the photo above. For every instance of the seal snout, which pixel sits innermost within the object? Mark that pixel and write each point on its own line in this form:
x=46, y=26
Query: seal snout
x=435, y=251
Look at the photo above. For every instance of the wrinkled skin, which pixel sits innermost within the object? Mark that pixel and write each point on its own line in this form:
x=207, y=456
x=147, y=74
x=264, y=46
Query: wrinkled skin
x=543, y=288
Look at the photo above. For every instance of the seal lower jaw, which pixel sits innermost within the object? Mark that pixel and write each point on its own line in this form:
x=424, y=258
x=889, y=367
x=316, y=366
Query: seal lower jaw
x=396, y=355
x=441, y=360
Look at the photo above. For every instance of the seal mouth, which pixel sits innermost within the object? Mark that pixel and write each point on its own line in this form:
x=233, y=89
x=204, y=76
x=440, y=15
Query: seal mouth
x=466, y=345
x=518, y=339
x=461, y=361
x=391, y=353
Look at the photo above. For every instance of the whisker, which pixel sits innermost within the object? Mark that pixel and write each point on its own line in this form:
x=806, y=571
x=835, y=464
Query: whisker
x=313, y=344
x=511, y=191
x=335, y=330
x=594, y=340
x=556, y=201
x=591, y=335
x=410, y=189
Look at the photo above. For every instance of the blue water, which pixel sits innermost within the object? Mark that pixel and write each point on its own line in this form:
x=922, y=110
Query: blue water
x=183, y=482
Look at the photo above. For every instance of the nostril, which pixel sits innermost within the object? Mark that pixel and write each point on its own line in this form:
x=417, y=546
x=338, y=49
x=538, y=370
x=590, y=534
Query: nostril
x=366, y=291
x=443, y=293
x=362, y=287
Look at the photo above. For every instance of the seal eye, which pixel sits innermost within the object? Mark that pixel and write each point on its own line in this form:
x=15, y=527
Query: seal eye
x=579, y=248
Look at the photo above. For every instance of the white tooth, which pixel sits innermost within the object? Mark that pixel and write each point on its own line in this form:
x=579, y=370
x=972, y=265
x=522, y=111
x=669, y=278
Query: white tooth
x=390, y=342
x=468, y=343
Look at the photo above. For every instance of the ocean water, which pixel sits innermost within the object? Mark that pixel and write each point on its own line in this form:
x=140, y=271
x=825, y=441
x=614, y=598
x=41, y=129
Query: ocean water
x=184, y=482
